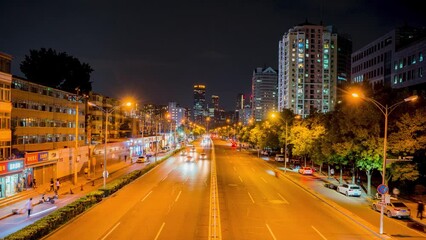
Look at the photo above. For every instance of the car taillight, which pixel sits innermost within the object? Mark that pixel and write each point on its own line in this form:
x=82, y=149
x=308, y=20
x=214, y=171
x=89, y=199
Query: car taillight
x=397, y=209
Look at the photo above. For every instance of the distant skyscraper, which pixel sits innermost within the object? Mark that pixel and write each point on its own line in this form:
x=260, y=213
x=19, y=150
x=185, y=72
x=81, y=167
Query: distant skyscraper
x=264, y=91
x=215, y=105
x=309, y=68
x=199, y=107
x=177, y=113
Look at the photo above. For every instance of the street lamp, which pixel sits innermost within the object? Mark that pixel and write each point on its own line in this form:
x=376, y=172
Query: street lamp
x=386, y=110
x=107, y=111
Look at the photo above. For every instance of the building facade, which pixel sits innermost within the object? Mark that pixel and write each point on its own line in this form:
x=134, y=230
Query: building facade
x=264, y=91
x=308, y=68
x=199, y=106
x=44, y=118
x=391, y=59
x=5, y=106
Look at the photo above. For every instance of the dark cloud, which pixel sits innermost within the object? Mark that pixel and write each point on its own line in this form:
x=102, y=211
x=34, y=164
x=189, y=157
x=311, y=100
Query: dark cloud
x=156, y=50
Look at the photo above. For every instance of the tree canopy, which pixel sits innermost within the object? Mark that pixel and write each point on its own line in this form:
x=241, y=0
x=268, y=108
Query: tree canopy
x=57, y=70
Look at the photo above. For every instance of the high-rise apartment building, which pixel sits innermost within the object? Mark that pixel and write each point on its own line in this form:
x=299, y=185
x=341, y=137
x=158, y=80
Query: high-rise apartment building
x=5, y=106
x=177, y=114
x=309, y=68
x=264, y=91
x=395, y=59
x=199, y=106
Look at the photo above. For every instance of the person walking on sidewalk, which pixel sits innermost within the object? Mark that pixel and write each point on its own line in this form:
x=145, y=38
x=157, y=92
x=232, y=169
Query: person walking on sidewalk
x=420, y=209
x=52, y=188
x=58, y=184
x=29, y=206
x=34, y=183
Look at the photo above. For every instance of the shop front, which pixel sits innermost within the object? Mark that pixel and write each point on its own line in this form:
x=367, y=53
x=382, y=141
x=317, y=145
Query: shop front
x=38, y=166
x=12, y=178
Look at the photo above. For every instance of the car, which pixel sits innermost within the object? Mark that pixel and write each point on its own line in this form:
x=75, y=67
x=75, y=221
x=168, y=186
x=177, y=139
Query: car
x=189, y=158
x=279, y=157
x=203, y=156
x=305, y=171
x=183, y=153
x=393, y=209
x=330, y=185
x=141, y=159
x=193, y=149
x=349, y=190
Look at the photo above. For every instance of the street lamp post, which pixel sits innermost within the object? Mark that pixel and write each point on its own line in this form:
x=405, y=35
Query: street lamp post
x=386, y=110
x=106, y=111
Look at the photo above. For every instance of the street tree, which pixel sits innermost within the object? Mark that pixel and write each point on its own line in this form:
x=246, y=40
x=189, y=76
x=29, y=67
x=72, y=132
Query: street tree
x=57, y=70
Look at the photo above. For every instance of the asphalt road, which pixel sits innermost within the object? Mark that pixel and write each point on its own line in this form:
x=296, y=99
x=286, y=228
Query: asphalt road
x=169, y=202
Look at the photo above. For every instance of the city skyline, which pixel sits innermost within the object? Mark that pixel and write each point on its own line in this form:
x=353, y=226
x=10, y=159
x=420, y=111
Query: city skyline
x=160, y=50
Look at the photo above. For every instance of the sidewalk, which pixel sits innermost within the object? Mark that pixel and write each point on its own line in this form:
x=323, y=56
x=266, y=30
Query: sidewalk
x=410, y=204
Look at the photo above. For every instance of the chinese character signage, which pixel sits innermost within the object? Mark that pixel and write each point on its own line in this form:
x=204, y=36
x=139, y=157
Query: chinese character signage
x=11, y=166
x=32, y=158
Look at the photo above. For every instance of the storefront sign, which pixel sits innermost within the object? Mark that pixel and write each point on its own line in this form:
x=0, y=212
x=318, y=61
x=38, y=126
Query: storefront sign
x=3, y=167
x=15, y=165
x=11, y=166
x=31, y=158
x=43, y=156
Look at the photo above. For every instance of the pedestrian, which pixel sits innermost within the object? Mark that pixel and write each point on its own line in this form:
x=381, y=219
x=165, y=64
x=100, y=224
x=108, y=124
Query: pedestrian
x=358, y=181
x=34, y=183
x=86, y=171
x=52, y=188
x=29, y=206
x=332, y=172
x=420, y=209
x=125, y=158
x=58, y=184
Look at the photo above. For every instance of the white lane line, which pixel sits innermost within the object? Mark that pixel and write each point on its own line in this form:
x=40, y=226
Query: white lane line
x=251, y=197
x=319, y=233
x=159, y=231
x=164, y=178
x=178, y=196
x=110, y=231
x=241, y=180
x=235, y=169
x=270, y=231
x=146, y=196
x=282, y=198
x=263, y=179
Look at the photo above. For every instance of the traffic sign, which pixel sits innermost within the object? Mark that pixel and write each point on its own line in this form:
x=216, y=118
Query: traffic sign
x=382, y=189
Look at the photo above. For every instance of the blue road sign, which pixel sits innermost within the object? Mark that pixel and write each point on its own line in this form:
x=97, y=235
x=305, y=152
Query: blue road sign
x=382, y=189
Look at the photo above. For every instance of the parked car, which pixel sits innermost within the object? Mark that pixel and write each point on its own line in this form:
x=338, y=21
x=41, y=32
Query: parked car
x=330, y=185
x=349, y=189
x=203, y=156
x=393, y=209
x=141, y=159
x=279, y=157
x=305, y=171
x=183, y=153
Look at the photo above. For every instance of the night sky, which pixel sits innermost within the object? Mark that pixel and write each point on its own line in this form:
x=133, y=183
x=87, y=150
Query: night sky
x=157, y=50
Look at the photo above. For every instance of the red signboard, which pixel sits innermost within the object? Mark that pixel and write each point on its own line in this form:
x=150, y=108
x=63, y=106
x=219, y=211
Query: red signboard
x=31, y=158
x=3, y=167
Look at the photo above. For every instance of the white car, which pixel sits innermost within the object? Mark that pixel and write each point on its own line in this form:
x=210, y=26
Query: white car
x=203, y=156
x=279, y=158
x=305, y=171
x=349, y=190
x=393, y=209
x=141, y=159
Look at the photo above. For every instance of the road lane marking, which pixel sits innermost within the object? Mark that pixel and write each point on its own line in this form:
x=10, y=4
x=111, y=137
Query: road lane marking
x=235, y=169
x=250, y=197
x=164, y=178
x=146, y=196
x=319, y=233
x=282, y=198
x=178, y=196
x=241, y=180
x=263, y=179
x=159, y=231
x=253, y=169
x=110, y=231
x=270, y=231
